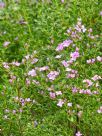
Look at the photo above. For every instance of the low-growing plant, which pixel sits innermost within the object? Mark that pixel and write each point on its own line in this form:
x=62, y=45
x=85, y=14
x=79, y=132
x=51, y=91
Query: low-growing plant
x=50, y=68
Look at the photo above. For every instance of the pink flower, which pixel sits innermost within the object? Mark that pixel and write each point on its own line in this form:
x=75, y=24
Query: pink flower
x=71, y=75
x=27, y=99
x=88, y=61
x=60, y=47
x=60, y=103
x=27, y=81
x=92, y=60
x=81, y=91
x=78, y=134
x=5, y=65
x=90, y=30
x=52, y=75
x=87, y=92
x=74, y=55
x=96, y=77
x=6, y=44
x=95, y=92
x=14, y=111
x=77, y=49
x=99, y=111
x=52, y=95
x=7, y=111
x=100, y=13
x=11, y=80
x=69, y=104
x=74, y=90
x=27, y=57
x=99, y=58
x=34, y=61
x=66, y=43
x=32, y=73
x=43, y=68
x=2, y=4
x=58, y=93
x=64, y=63
x=62, y=1
x=15, y=63
x=89, y=82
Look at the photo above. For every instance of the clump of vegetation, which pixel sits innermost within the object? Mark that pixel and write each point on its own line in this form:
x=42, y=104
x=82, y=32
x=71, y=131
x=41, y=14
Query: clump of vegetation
x=50, y=68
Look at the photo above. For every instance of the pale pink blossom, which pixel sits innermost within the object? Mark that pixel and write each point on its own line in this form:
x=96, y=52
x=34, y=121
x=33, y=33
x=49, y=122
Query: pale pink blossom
x=32, y=73
x=99, y=111
x=52, y=75
x=90, y=30
x=88, y=61
x=71, y=75
x=27, y=99
x=27, y=81
x=60, y=103
x=27, y=57
x=64, y=63
x=5, y=65
x=44, y=68
x=14, y=111
x=2, y=4
x=64, y=44
x=11, y=80
x=99, y=58
x=81, y=91
x=78, y=134
x=6, y=43
x=7, y=111
x=60, y=47
x=16, y=63
x=62, y=1
x=69, y=104
x=74, y=90
x=58, y=93
x=87, y=91
x=89, y=82
x=92, y=61
x=52, y=95
x=95, y=92
x=100, y=13
x=74, y=55
x=35, y=60
x=96, y=77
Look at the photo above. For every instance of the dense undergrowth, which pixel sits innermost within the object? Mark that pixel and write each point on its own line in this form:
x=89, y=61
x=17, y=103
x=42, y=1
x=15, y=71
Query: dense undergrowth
x=51, y=68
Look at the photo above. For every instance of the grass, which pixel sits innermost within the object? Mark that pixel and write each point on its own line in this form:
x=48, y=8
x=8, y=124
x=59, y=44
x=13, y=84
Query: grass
x=36, y=28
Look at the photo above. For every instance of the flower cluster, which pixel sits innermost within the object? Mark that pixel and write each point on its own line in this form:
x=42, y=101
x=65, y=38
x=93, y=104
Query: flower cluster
x=52, y=75
x=97, y=59
x=63, y=45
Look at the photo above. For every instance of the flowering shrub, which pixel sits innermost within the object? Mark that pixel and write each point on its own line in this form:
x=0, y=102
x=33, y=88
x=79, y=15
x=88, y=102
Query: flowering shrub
x=50, y=69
